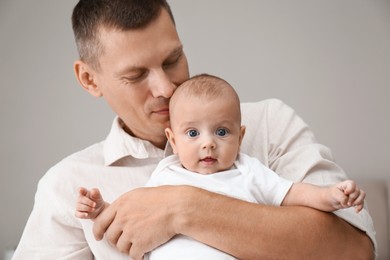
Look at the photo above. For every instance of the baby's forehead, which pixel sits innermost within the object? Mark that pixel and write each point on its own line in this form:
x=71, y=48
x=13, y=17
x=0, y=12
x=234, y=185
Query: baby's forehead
x=200, y=110
x=187, y=94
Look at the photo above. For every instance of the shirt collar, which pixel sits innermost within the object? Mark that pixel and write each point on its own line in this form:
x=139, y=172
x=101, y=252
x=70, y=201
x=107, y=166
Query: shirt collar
x=120, y=144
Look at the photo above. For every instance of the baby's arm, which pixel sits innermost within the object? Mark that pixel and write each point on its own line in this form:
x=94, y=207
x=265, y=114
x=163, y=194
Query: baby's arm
x=90, y=203
x=341, y=195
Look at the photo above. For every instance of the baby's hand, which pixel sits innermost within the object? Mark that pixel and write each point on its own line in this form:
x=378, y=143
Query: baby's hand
x=89, y=203
x=354, y=195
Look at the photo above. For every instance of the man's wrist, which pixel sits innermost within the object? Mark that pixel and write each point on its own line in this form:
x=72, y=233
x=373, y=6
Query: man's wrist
x=184, y=209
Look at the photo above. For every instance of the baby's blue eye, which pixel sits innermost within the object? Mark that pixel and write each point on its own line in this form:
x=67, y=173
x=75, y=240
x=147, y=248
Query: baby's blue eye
x=192, y=133
x=221, y=132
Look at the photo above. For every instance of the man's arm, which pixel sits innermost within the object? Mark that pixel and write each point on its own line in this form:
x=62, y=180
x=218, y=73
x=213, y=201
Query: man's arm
x=251, y=231
x=144, y=218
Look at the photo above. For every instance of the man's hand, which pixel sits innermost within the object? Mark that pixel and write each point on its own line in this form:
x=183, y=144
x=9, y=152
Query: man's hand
x=140, y=220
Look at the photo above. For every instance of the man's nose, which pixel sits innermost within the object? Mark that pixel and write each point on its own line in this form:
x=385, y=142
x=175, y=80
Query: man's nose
x=162, y=85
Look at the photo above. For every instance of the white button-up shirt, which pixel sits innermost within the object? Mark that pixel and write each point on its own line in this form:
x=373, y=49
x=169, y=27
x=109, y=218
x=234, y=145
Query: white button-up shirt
x=274, y=134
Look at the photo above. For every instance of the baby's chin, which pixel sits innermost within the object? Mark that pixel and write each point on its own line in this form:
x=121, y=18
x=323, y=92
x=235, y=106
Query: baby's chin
x=206, y=170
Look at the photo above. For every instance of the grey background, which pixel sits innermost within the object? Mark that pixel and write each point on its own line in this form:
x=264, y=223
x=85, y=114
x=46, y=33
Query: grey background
x=329, y=60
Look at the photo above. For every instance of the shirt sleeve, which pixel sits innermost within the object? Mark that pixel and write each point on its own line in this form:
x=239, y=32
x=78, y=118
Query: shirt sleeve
x=293, y=151
x=264, y=185
x=50, y=233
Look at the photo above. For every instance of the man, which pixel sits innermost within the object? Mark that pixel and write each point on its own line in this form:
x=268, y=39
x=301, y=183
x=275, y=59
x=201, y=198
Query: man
x=131, y=55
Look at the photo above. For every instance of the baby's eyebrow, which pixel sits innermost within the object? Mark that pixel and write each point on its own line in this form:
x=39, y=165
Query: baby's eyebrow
x=187, y=124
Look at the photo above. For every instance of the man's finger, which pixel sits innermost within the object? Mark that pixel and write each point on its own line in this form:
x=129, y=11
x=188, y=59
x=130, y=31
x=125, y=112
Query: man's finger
x=103, y=222
x=124, y=245
x=114, y=233
x=136, y=253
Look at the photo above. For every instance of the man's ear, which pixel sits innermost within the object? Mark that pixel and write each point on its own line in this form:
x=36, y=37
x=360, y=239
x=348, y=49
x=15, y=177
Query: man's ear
x=171, y=139
x=87, y=78
x=242, y=133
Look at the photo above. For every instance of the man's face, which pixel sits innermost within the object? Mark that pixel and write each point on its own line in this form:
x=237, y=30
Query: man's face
x=140, y=69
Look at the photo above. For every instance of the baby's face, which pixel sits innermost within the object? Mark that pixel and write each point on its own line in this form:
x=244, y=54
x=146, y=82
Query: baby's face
x=206, y=135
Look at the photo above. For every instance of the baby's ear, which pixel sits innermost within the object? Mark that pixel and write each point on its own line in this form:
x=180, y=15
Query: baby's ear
x=171, y=139
x=242, y=133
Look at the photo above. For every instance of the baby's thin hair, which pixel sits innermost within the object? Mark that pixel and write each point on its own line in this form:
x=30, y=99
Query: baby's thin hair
x=206, y=87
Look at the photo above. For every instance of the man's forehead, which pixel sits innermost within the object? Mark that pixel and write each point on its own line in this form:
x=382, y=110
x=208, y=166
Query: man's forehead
x=132, y=51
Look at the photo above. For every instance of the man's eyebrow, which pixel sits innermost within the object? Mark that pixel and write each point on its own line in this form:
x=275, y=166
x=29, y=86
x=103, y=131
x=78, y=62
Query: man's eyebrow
x=126, y=70
x=178, y=50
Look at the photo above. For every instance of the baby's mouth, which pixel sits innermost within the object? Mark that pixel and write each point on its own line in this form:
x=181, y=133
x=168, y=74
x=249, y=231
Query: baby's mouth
x=208, y=160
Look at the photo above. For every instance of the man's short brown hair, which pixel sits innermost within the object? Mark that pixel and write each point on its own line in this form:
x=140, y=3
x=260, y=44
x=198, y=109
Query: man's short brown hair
x=89, y=16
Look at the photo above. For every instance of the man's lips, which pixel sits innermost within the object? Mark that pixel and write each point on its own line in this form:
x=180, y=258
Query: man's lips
x=162, y=111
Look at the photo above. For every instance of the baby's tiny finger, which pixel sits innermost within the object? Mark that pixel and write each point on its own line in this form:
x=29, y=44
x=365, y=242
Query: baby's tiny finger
x=87, y=201
x=358, y=208
x=82, y=215
x=350, y=187
x=353, y=196
x=83, y=208
x=83, y=191
x=360, y=199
